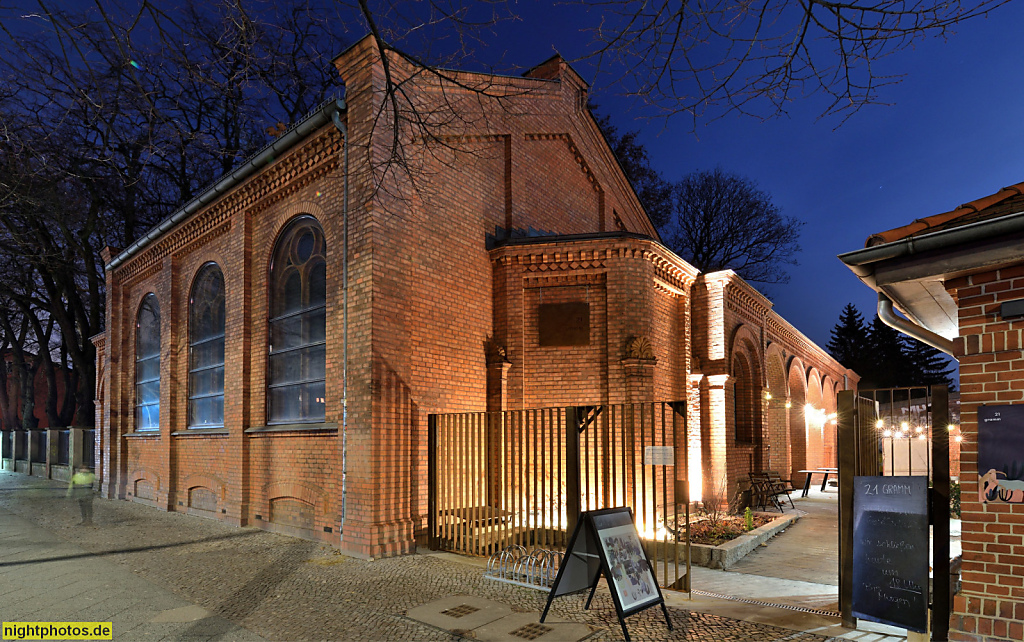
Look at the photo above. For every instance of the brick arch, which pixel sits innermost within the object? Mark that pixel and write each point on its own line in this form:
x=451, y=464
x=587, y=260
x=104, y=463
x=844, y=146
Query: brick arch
x=284, y=218
x=777, y=424
x=304, y=492
x=215, y=484
x=747, y=392
x=797, y=429
x=743, y=338
x=145, y=481
x=828, y=393
x=813, y=420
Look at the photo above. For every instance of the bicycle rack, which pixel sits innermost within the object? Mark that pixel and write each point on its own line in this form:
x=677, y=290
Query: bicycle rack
x=534, y=569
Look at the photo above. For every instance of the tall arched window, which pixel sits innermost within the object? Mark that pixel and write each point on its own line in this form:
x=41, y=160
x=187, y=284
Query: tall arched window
x=147, y=365
x=298, y=325
x=206, y=349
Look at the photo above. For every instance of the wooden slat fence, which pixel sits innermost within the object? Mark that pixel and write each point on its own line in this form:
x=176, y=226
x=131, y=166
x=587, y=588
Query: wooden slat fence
x=521, y=477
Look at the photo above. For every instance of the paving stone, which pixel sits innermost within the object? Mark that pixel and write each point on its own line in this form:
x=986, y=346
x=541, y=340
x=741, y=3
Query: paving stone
x=256, y=584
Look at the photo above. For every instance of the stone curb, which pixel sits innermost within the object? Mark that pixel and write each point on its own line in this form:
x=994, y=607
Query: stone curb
x=725, y=555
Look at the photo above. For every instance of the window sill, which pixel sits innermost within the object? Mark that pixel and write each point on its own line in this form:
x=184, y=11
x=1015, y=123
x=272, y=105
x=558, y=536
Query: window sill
x=321, y=427
x=145, y=434
x=201, y=432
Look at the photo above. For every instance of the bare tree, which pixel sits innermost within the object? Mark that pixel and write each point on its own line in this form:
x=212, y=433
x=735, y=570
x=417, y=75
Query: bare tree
x=723, y=221
x=712, y=59
x=111, y=117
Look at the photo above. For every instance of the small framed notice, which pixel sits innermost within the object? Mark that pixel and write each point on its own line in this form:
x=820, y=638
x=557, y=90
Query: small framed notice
x=606, y=542
x=659, y=456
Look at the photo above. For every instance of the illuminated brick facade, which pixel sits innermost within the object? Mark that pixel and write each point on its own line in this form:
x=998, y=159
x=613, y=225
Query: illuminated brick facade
x=513, y=211
x=991, y=604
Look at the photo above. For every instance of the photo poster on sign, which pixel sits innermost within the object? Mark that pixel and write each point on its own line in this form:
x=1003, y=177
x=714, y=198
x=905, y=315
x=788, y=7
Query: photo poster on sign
x=631, y=578
x=606, y=541
x=890, y=551
x=1001, y=454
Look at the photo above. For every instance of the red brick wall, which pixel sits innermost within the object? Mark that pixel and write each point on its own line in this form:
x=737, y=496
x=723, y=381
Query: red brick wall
x=991, y=604
x=427, y=290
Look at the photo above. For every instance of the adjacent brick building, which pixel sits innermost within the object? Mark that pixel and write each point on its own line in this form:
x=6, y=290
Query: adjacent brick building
x=230, y=333
x=953, y=274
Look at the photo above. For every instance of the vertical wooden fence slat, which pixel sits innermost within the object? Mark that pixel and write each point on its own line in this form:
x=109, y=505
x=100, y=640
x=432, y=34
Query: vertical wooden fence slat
x=432, y=482
x=572, y=468
x=548, y=472
x=478, y=458
x=664, y=498
x=554, y=450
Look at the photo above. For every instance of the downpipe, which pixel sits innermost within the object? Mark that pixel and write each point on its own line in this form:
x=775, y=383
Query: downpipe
x=924, y=335
x=336, y=118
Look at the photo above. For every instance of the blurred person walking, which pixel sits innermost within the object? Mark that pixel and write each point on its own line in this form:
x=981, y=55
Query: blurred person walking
x=80, y=489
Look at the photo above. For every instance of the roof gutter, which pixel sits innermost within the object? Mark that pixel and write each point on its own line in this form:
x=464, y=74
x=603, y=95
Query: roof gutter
x=861, y=262
x=924, y=335
x=258, y=161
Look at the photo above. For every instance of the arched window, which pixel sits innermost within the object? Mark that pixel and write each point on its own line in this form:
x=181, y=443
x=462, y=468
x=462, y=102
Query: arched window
x=296, y=370
x=147, y=365
x=206, y=349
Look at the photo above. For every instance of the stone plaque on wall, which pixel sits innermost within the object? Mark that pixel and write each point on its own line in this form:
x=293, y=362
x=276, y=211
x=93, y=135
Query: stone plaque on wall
x=564, y=324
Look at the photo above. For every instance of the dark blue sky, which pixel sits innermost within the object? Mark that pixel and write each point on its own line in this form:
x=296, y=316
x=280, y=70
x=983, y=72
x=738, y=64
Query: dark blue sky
x=953, y=133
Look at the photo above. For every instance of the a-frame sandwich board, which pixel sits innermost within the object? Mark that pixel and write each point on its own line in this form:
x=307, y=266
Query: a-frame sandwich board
x=606, y=542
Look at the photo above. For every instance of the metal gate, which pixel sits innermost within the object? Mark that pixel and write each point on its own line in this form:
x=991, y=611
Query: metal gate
x=521, y=478
x=874, y=425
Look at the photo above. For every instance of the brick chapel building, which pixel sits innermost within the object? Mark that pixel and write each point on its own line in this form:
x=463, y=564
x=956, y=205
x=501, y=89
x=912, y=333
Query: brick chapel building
x=304, y=316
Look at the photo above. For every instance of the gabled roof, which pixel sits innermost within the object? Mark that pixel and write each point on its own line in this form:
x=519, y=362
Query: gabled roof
x=1008, y=200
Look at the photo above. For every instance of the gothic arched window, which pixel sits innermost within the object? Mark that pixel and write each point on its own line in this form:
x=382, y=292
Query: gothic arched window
x=206, y=349
x=296, y=370
x=147, y=365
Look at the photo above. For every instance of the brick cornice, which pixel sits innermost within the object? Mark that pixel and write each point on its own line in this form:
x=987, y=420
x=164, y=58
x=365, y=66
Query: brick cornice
x=297, y=169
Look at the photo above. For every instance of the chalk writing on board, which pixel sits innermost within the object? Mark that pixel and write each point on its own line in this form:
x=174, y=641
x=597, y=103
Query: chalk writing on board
x=891, y=551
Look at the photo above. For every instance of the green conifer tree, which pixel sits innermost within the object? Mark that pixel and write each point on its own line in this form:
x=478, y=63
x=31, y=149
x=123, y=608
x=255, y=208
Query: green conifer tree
x=888, y=363
x=929, y=366
x=849, y=342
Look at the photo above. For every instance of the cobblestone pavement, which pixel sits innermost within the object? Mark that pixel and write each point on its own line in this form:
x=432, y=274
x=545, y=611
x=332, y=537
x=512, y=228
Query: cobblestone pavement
x=283, y=588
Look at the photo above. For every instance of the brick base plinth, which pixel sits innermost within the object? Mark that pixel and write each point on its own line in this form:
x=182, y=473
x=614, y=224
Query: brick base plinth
x=978, y=619
x=382, y=539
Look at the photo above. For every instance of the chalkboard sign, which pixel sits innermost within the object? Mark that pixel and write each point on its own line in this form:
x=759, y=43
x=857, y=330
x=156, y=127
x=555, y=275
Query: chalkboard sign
x=890, y=551
x=606, y=541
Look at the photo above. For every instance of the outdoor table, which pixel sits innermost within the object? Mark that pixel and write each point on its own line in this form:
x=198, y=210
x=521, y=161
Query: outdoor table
x=817, y=471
